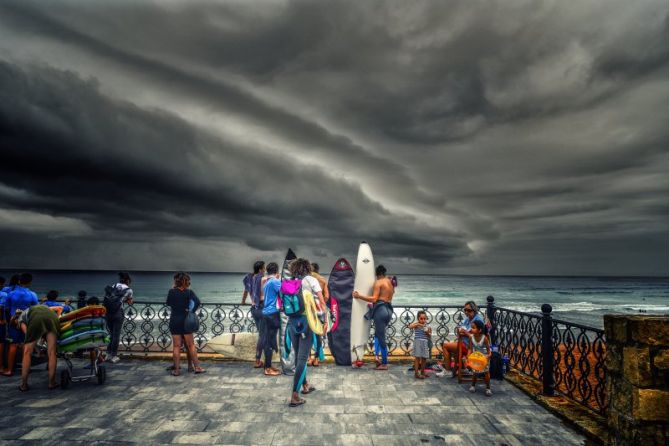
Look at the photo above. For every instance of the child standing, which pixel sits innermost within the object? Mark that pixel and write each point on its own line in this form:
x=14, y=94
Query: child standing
x=421, y=350
x=480, y=343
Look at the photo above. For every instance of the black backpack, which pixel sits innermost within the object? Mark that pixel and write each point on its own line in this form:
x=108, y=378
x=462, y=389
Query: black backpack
x=496, y=366
x=113, y=300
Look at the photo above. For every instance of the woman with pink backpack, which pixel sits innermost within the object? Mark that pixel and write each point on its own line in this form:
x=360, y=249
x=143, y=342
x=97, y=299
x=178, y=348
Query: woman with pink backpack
x=301, y=336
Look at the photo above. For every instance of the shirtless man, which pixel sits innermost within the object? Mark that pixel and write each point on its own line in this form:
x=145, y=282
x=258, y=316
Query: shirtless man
x=382, y=312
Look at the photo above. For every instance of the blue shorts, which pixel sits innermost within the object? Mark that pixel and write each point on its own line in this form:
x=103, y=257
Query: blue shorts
x=15, y=336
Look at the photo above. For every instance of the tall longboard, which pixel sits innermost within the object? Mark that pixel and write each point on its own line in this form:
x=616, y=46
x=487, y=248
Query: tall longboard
x=340, y=284
x=363, y=284
x=285, y=349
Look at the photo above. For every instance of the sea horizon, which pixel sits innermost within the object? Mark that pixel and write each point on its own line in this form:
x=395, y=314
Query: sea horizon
x=114, y=271
x=579, y=299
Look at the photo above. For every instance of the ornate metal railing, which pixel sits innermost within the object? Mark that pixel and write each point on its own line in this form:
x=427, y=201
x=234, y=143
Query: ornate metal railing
x=533, y=342
x=146, y=327
x=574, y=353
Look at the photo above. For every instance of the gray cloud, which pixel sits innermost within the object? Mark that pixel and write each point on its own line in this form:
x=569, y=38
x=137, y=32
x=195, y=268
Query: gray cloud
x=466, y=137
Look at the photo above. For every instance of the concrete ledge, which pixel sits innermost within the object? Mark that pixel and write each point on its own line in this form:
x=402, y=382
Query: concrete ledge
x=593, y=426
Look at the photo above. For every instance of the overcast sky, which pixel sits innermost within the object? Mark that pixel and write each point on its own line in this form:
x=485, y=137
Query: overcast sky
x=510, y=137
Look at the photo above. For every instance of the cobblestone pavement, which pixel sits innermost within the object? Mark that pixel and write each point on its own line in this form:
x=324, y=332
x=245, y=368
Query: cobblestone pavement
x=235, y=404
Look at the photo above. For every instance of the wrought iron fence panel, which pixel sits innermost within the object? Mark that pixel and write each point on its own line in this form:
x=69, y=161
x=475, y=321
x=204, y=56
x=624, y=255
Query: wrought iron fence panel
x=579, y=354
x=519, y=337
x=146, y=327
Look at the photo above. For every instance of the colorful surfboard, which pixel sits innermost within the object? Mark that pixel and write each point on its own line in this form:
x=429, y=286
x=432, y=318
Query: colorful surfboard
x=287, y=353
x=89, y=322
x=81, y=329
x=82, y=335
x=88, y=311
x=311, y=312
x=364, y=283
x=85, y=342
x=340, y=284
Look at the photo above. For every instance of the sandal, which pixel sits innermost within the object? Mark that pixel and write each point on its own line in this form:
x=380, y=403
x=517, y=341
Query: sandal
x=308, y=391
x=419, y=376
x=175, y=373
x=199, y=370
x=297, y=403
x=258, y=365
x=23, y=388
x=381, y=367
x=54, y=386
x=272, y=372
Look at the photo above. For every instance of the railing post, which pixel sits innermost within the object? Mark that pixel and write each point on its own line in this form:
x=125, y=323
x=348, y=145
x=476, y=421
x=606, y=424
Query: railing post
x=490, y=312
x=547, y=350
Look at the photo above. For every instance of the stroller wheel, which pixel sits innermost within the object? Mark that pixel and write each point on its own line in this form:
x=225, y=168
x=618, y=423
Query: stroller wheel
x=65, y=379
x=102, y=374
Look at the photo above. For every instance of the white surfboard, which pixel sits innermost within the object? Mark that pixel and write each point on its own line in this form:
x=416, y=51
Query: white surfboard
x=235, y=345
x=364, y=283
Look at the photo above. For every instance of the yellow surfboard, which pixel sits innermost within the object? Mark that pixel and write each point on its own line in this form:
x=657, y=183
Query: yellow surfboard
x=311, y=312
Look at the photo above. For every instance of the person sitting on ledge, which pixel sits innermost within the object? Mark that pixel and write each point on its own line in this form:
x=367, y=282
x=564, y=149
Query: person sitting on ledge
x=451, y=348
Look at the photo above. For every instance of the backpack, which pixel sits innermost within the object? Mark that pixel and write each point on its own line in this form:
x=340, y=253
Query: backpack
x=291, y=297
x=113, y=300
x=496, y=366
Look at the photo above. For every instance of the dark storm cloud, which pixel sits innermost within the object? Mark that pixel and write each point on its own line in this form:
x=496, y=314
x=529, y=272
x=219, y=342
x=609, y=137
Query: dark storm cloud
x=218, y=93
x=131, y=173
x=473, y=136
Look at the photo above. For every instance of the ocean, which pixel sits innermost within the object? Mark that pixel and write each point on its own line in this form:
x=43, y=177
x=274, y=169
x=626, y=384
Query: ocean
x=577, y=299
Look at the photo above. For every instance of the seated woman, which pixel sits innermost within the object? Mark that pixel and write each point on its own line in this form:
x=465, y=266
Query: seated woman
x=38, y=322
x=451, y=348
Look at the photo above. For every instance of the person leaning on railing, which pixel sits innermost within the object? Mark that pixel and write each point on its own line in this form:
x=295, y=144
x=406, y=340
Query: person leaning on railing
x=451, y=348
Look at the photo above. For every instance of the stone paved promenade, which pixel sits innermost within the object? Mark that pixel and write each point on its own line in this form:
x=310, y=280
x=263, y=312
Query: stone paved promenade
x=235, y=404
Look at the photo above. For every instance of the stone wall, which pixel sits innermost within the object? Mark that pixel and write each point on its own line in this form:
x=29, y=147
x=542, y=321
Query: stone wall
x=638, y=379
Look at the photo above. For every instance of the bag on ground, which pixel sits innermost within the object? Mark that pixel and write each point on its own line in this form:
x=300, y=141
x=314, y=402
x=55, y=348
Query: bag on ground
x=496, y=366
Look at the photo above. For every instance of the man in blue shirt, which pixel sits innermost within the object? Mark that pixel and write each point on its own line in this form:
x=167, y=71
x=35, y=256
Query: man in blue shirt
x=248, y=283
x=21, y=298
x=271, y=318
x=257, y=306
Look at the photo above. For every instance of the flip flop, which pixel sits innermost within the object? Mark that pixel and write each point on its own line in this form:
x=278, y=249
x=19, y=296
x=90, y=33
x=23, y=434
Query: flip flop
x=55, y=386
x=308, y=391
x=23, y=388
x=297, y=403
x=175, y=373
x=199, y=370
